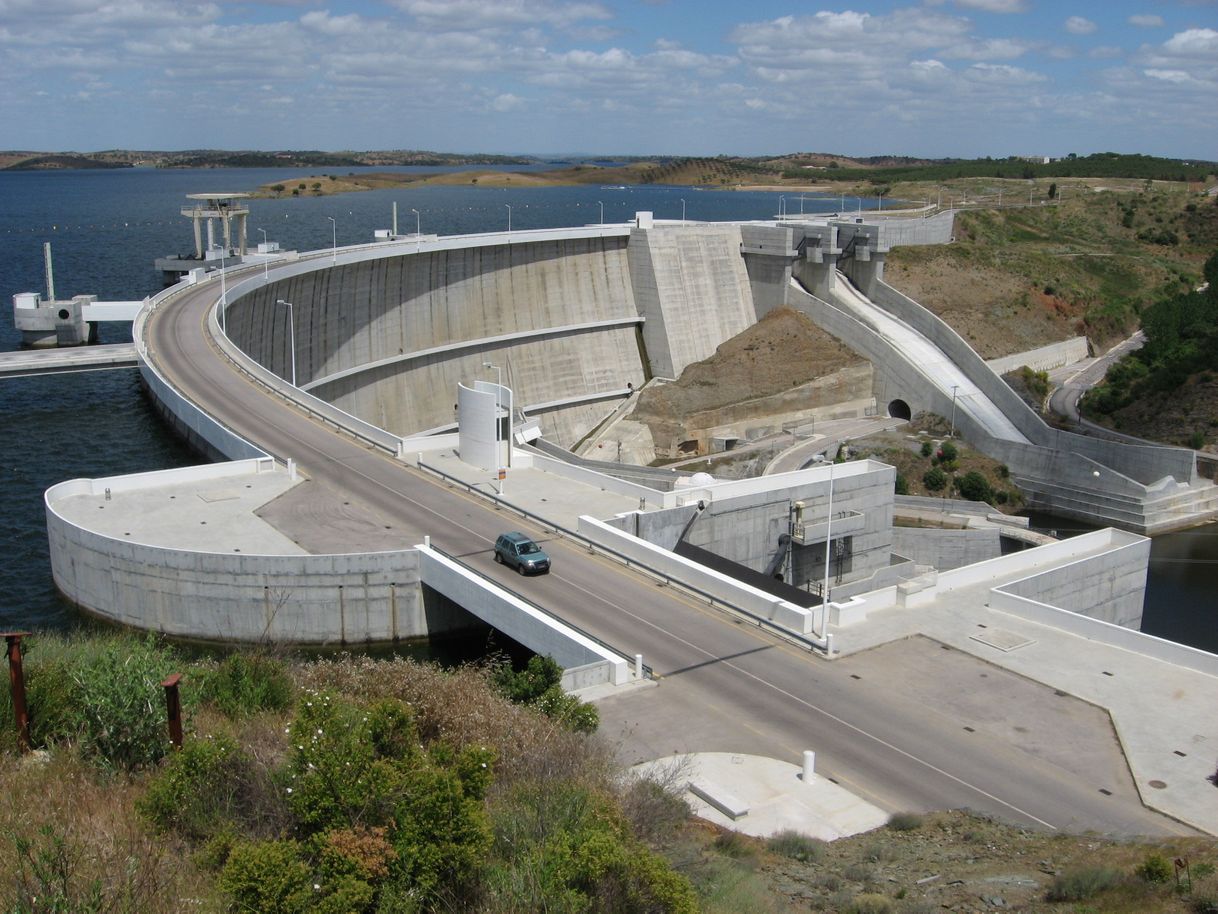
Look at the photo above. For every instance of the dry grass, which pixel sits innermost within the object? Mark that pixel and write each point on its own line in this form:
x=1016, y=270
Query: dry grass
x=87, y=850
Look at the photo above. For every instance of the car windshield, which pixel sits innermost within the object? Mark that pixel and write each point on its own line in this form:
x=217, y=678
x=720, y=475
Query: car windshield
x=528, y=548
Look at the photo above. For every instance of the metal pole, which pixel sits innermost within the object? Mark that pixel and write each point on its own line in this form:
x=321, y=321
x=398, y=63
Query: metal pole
x=824, y=594
x=509, y=209
x=223, y=297
x=333, y=240
x=173, y=708
x=291, y=334
x=266, y=264
x=955, y=387
x=418, y=230
x=498, y=448
x=16, y=678
x=682, y=211
x=602, y=206
x=782, y=206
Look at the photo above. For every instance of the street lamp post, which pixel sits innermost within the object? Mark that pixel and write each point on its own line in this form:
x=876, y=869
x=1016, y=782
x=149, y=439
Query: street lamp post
x=955, y=387
x=824, y=594
x=682, y=211
x=498, y=449
x=223, y=295
x=782, y=206
x=291, y=334
x=333, y=240
x=509, y=209
x=801, y=204
x=266, y=264
x=418, y=230
x=602, y=206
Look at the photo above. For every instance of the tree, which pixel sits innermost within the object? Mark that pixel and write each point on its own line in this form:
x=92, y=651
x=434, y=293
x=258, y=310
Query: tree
x=1053, y=191
x=934, y=479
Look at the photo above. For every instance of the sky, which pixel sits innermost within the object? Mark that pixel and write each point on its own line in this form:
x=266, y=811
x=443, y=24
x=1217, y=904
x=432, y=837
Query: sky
x=928, y=78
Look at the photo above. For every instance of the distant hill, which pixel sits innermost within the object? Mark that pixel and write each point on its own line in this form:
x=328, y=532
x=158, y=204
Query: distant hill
x=220, y=158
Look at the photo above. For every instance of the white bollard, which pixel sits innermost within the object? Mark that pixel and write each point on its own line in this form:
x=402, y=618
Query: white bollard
x=291, y=469
x=427, y=542
x=809, y=772
x=638, y=666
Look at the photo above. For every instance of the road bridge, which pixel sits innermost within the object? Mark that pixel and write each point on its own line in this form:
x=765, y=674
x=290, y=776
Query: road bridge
x=768, y=692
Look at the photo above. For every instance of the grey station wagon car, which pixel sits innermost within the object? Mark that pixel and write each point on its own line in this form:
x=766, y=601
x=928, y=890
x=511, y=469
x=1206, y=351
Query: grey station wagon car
x=518, y=551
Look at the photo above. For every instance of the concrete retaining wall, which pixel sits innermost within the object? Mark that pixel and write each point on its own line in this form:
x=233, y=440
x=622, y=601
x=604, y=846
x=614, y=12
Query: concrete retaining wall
x=723, y=588
x=1109, y=587
x=289, y=599
x=1055, y=355
x=946, y=549
x=589, y=662
x=691, y=286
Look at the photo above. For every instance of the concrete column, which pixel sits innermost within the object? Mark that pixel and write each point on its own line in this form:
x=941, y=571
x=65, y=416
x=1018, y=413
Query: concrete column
x=241, y=237
x=809, y=772
x=867, y=272
x=228, y=236
x=198, y=238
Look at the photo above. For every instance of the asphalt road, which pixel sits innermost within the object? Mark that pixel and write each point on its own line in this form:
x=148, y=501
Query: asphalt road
x=754, y=689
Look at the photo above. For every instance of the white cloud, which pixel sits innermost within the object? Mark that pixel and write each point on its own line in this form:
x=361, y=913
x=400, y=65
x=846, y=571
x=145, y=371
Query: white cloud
x=481, y=14
x=1146, y=21
x=1201, y=43
x=507, y=102
x=995, y=6
x=1077, y=25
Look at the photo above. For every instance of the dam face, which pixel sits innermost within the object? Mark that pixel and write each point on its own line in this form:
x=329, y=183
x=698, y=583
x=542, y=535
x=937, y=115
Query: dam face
x=573, y=322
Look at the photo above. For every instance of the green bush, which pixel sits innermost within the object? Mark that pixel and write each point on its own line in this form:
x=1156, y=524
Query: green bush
x=974, y=487
x=246, y=684
x=197, y=792
x=120, y=706
x=790, y=843
x=1196, y=440
x=1155, y=868
x=934, y=479
x=1082, y=884
x=870, y=904
x=905, y=821
x=927, y=449
x=900, y=485
x=539, y=685
x=948, y=452
x=269, y=877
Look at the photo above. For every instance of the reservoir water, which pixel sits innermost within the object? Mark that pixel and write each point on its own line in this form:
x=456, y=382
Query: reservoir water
x=106, y=227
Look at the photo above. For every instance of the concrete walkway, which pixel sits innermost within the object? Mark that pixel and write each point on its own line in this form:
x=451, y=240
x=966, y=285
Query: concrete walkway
x=1163, y=714
x=770, y=795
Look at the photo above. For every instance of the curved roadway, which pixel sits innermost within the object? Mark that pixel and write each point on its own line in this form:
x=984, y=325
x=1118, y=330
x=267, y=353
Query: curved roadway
x=769, y=695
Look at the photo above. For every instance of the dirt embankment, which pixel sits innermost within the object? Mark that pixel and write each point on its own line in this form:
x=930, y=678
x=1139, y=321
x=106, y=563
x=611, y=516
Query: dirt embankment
x=782, y=351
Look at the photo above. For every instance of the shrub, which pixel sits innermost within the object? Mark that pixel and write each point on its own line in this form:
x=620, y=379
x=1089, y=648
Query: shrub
x=1081, y=884
x=870, y=904
x=539, y=685
x=948, y=452
x=905, y=821
x=1155, y=868
x=934, y=479
x=196, y=793
x=1196, y=440
x=121, y=706
x=900, y=486
x=269, y=877
x=927, y=449
x=734, y=845
x=790, y=843
x=654, y=808
x=245, y=684
x=974, y=487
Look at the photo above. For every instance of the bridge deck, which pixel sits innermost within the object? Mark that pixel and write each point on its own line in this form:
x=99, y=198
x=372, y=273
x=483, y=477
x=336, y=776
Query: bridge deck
x=29, y=362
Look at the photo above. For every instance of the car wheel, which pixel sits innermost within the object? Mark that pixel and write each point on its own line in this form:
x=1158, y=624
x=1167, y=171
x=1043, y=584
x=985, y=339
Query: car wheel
x=498, y=558
x=520, y=568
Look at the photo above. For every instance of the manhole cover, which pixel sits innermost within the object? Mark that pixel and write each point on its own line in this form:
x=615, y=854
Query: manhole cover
x=1004, y=641
x=1158, y=785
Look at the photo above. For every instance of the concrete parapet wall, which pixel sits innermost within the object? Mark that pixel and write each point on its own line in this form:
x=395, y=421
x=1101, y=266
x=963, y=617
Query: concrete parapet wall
x=522, y=621
x=767, y=260
x=213, y=596
x=900, y=232
x=1109, y=587
x=698, y=577
x=1104, y=632
x=1076, y=547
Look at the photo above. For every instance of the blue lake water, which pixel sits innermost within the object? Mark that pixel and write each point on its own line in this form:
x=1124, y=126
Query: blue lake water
x=106, y=227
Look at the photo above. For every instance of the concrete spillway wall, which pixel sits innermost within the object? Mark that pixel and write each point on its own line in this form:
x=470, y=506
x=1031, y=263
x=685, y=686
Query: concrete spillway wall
x=388, y=338
x=692, y=288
